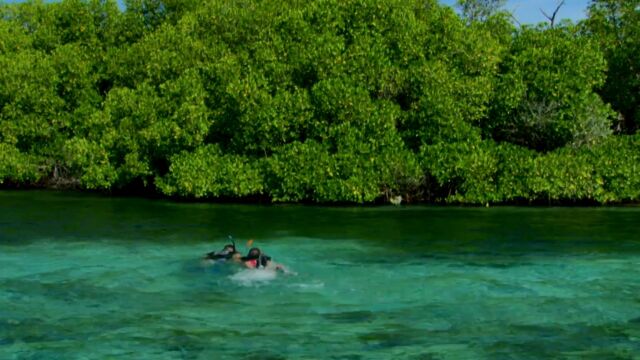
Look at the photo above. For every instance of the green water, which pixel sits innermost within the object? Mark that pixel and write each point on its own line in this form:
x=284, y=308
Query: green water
x=85, y=277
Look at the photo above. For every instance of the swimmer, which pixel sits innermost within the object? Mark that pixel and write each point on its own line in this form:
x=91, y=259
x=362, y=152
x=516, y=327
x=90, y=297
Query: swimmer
x=255, y=259
x=228, y=253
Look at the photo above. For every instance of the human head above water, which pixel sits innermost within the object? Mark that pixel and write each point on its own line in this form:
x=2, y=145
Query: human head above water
x=254, y=253
x=229, y=248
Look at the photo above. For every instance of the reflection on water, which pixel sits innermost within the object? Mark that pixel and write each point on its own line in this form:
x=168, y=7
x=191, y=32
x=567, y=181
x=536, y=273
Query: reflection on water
x=91, y=277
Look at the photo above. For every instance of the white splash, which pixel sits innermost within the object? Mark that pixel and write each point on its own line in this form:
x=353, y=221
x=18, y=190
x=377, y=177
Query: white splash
x=249, y=277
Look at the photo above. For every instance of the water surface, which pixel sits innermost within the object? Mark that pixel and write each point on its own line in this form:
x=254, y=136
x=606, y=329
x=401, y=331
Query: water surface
x=94, y=277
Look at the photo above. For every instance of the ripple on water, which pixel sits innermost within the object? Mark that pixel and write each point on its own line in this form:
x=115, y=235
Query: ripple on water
x=425, y=289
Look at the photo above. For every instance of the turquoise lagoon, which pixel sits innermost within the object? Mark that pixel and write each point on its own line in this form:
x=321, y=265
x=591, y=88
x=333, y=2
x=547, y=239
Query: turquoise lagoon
x=91, y=277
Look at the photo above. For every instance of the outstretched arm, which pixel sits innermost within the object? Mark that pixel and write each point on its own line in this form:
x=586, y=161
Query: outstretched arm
x=284, y=269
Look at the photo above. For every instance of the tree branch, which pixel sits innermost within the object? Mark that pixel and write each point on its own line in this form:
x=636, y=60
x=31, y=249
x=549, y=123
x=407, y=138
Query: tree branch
x=552, y=18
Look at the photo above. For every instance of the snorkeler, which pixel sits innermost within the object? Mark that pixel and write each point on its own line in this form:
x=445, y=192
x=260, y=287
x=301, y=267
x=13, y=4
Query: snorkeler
x=255, y=259
x=228, y=253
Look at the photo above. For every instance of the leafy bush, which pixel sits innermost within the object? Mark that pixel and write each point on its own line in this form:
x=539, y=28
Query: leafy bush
x=207, y=172
x=16, y=167
x=545, y=94
x=326, y=101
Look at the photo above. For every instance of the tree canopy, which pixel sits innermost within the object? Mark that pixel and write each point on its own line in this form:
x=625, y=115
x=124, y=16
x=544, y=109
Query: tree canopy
x=326, y=101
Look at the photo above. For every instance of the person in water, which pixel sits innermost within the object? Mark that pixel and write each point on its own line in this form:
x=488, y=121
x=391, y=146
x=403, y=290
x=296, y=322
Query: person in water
x=256, y=259
x=228, y=253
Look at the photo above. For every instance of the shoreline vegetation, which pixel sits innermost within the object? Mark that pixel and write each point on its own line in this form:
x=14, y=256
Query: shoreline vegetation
x=327, y=101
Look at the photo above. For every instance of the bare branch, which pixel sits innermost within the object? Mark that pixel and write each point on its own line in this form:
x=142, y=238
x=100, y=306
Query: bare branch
x=514, y=19
x=558, y=9
x=552, y=18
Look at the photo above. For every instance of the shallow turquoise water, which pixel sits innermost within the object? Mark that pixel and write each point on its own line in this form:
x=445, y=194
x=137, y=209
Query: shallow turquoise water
x=94, y=278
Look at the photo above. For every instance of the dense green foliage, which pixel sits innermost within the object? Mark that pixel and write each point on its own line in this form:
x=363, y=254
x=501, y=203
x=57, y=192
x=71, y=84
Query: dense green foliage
x=544, y=98
x=324, y=101
x=615, y=25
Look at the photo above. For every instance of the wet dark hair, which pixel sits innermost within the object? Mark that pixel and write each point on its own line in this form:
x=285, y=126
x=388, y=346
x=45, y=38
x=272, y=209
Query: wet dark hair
x=226, y=253
x=254, y=253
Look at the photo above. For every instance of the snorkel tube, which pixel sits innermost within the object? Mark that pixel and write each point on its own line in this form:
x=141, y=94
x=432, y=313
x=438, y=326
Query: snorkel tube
x=227, y=251
x=233, y=243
